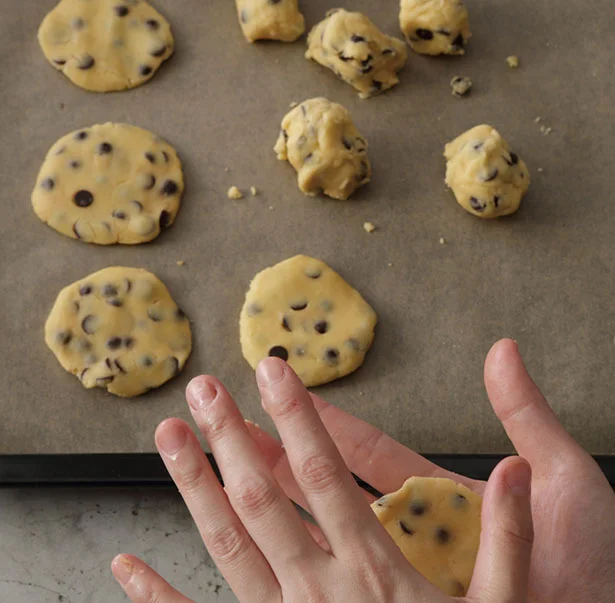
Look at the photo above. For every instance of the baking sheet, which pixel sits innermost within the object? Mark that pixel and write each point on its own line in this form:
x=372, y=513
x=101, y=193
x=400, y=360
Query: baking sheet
x=542, y=276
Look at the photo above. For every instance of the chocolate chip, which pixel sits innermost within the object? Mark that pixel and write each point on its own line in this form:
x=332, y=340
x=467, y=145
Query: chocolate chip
x=121, y=11
x=59, y=62
x=86, y=62
x=313, y=273
x=309, y=156
x=154, y=314
x=85, y=290
x=83, y=198
x=476, y=205
x=382, y=501
x=83, y=372
x=353, y=344
x=303, y=110
x=165, y=156
x=48, y=184
x=275, y=1
x=347, y=143
x=147, y=361
x=458, y=42
x=443, y=32
x=424, y=34
x=165, y=219
x=356, y=38
x=114, y=343
x=478, y=146
x=492, y=175
x=406, y=529
x=75, y=164
x=169, y=188
x=76, y=306
x=119, y=215
x=104, y=148
x=151, y=182
x=279, y=352
x=298, y=306
x=138, y=205
x=119, y=366
x=514, y=158
x=78, y=23
x=442, y=535
x=145, y=70
x=322, y=326
x=150, y=157
x=88, y=324
x=244, y=16
x=332, y=355
x=496, y=200
x=174, y=365
x=376, y=85
x=343, y=57
x=127, y=285
x=367, y=61
x=285, y=325
x=159, y=51
x=417, y=507
x=285, y=134
x=388, y=51
x=104, y=380
x=81, y=135
x=458, y=501
x=108, y=363
x=64, y=337
x=129, y=342
x=116, y=303
x=109, y=290
x=366, y=70
x=180, y=314
x=152, y=24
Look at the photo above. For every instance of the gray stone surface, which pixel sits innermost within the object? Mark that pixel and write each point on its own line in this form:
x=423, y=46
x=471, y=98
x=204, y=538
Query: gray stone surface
x=57, y=545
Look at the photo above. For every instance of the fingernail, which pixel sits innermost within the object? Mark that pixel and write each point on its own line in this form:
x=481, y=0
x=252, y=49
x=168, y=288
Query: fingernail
x=200, y=394
x=122, y=569
x=269, y=371
x=172, y=439
x=519, y=479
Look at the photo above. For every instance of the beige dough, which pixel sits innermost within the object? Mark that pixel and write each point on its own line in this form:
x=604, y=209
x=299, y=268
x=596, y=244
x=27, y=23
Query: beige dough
x=436, y=524
x=435, y=26
x=111, y=183
x=106, y=45
x=119, y=329
x=270, y=19
x=486, y=177
x=302, y=311
x=357, y=51
x=321, y=142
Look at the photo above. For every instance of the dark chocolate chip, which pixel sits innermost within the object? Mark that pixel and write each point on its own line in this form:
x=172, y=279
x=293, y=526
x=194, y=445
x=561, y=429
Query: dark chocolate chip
x=424, y=34
x=279, y=352
x=129, y=342
x=48, y=184
x=315, y=273
x=83, y=198
x=406, y=529
x=458, y=500
x=367, y=61
x=443, y=32
x=127, y=285
x=59, y=61
x=303, y=110
x=514, y=158
x=83, y=372
x=115, y=302
x=159, y=51
x=119, y=366
x=104, y=148
x=108, y=363
x=376, y=85
x=496, y=200
x=154, y=314
x=388, y=51
x=75, y=231
x=275, y=1
x=78, y=23
x=76, y=306
x=165, y=219
x=366, y=70
x=347, y=143
x=121, y=11
x=119, y=215
x=476, y=205
x=169, y=188
x=356, y=38
x=81, y=135
x=417, y=507
x=75, y=164
x=114, y=343
x=492, y=175
x=150, y=157
x=478, y=146
x=145, y=70
x=458, y=42
x=244, y=16
x=151, y=183
x=64, y=337
x=138, y=205
x=364, y=171
x=147, y=361
x=442, y=536
x=309, y=156
x=174, y=365
x=180, y=314
x=285, y=134
x=105, y=380
x=87, y=324
x=382, y=501
x=85, y=290
x=165, y=156
x=86, y=62
x=322, y=326
x=285, y=324
x=298, y=306
x=344, y=58
x=152, y=24
x=332, y=355
x=109, y=291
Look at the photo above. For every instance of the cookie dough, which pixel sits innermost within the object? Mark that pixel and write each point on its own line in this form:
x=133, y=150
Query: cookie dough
x=436, y=524
x=111, y=183
x=460, y=86
x=302, y=311
x=106, y=45
x=321, y=142
x=270, y=19
x=357, y=51
x=486, y=177
x=435, y=26
x=119, y=329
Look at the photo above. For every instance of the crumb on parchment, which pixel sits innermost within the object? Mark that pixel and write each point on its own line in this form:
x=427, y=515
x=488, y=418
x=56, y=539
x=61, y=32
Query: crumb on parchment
x=369, y=227
x=181, y=262
x=513, y=61
x=460, y=86
x=253, y=191
x=234, y=193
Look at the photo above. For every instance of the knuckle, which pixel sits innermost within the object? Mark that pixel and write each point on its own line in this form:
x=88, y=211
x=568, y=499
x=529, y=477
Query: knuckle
x=516, y=534
x=317, y=473
x=191, y=478
x=227, y=544
x=255, y=496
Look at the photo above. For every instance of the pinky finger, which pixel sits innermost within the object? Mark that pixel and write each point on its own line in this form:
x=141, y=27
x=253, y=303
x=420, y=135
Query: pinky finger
x=142, y=584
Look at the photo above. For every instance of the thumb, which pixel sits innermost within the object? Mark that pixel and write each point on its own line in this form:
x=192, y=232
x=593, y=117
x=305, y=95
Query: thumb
x=503, y=562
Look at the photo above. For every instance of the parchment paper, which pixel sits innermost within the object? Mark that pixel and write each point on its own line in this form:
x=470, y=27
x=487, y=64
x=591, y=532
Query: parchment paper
x=543, y=276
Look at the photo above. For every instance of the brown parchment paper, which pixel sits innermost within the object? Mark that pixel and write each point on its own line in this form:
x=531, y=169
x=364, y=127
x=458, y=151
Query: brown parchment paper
x=543, y=276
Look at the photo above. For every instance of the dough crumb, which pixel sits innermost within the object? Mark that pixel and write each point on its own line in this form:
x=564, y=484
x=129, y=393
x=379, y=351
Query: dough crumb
x=271, y=208
x=390, y=264
x=442, y=241
x=513, y=61
x=227, y=169
x=460, y=85
x=181, y=262
x=540, y=170
x=369, y=227
x=538, y=119
x=234, y=193
x=253, y=191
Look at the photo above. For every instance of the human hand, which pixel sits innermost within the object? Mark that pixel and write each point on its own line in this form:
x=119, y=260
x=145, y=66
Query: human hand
x=257, y=538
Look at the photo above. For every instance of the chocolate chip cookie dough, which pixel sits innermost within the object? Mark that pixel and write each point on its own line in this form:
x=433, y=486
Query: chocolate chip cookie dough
x=302, y=311
x=436, y=523
x=321, y=142
x=106, y=45
x=351, y=46
x=119, y=329
x=110, y=183
x=487, y=178
x=270, y=19
x=435, y=26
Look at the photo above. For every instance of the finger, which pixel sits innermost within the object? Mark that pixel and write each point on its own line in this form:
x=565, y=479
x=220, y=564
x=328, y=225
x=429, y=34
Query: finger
x=331, y=492
x=226, y=539
x=251, y=488
x=503, y=562
x=142, y=584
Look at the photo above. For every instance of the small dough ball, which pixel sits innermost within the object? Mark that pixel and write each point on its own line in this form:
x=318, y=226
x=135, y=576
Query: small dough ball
x=486, y=177
x=321, y=142
x=357, y=52
x=270, y=19
x=435, y=26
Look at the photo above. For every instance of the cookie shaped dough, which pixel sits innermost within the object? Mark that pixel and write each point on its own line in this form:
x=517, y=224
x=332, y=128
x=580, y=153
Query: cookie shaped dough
x=106, y=45
x=302, y=311
x=321, y=142
x=270, y=19
x=119, y=329
x=111, y=183
x=486, y=177
x=357, y=51
x=436, y=524
x=435, y=26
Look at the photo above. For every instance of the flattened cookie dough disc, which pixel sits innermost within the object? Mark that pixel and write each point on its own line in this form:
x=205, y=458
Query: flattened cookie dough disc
x=302, y=311
x=119, y=329
x=270, y=19
x=436, y=524
x=111, y=183
x=106, y=45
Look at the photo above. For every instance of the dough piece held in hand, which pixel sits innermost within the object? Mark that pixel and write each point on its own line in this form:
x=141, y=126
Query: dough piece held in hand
x=486, y=177
x=302, y=311
x=270, y=19
x=435, y=26
x=321, y=142
x=111, y=183
x=106, y=45
x=436, y=524
x=357, y=51
x=119, y=329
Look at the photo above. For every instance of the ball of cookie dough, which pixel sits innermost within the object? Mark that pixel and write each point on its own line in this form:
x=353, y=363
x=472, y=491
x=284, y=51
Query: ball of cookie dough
x=119, y=329
x=270, y=19
x=110, y=183
x=321, y=142
x=357, y=52
x=302, y=311
x=486, y=177
x=436, y=523
x=106, y=45
x=435, y=26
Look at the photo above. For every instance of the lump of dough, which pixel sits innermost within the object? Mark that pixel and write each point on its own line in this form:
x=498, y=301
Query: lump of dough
x=321, y=142
x=270, y=19
x=357, y=51
x=435, y=26
x=486, y=177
